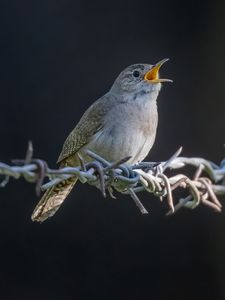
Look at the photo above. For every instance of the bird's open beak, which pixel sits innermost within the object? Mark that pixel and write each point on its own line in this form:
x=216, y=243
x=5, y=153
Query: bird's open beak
x=152, y=76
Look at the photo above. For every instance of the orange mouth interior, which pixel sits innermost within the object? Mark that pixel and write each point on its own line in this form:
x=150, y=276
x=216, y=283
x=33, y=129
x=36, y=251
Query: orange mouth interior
x=152, y=76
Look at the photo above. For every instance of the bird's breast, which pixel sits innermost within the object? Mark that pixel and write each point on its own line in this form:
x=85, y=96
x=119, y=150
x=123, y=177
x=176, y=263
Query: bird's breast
x=129, y=130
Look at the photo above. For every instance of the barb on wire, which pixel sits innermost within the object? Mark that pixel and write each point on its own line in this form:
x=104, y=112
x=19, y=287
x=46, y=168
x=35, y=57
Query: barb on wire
x=205, y=186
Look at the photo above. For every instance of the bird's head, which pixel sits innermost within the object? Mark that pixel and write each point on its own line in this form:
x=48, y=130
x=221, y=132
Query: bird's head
x=140, y=77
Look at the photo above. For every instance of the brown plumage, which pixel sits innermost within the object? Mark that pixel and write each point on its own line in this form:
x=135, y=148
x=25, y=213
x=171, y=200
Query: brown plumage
x=52, y=199
x=90, y=123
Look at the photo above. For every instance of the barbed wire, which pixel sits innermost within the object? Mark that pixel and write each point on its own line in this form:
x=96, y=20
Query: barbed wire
x=204, y=187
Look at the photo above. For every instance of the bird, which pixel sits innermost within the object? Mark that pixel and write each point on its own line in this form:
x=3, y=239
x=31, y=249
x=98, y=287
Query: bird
x=122, y=123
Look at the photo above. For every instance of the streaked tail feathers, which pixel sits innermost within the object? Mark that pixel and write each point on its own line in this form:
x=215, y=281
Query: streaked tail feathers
x=52, y=200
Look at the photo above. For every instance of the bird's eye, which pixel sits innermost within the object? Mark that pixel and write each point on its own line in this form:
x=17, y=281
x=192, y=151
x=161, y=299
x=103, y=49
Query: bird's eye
x=136, y=73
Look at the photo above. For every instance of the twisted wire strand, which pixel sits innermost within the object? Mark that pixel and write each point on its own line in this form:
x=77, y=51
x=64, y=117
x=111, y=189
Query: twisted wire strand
x=206, y=184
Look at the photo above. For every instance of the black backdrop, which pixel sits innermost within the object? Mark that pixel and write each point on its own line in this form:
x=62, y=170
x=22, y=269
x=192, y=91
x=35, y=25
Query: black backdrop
x=56, y=57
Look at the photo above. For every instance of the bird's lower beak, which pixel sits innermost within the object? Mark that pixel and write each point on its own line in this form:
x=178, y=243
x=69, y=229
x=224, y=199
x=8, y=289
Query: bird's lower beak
x=152, y=76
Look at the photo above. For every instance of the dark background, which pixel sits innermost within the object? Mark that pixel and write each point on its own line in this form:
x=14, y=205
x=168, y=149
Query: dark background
x=56, y=58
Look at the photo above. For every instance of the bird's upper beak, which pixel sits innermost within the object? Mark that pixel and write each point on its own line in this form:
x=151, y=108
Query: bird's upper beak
x=152, y=76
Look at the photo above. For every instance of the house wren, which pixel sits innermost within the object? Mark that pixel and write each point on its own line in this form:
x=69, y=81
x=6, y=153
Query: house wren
x=121, y=123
